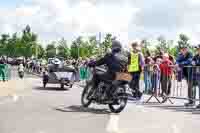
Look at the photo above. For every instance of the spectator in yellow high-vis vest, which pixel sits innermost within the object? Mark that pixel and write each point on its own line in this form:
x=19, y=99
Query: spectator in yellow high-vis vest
x=135, y=67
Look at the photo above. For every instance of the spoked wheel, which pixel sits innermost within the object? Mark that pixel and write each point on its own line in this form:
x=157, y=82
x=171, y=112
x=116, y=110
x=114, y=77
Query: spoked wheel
x=86, y=99
x=120, y=102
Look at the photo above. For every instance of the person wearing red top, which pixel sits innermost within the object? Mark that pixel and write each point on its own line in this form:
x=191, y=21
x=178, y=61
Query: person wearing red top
x=166, y=75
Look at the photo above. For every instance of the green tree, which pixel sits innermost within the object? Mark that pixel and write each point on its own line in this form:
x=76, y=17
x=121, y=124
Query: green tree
x=75, y=47
x=162, y=44
x=11, y=48
x=63, y=49
x=145, y=45
x=93, y=48
x=106, y=44
x=4, y=43
x=84, y=49
x=40, y=51
x=4, y=38
x=29, y=42
x=173, y=51
x=51, y=50
x=183, y=41
x=74, y=50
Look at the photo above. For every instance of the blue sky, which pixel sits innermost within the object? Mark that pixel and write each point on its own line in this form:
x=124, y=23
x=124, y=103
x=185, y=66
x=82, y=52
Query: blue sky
x=127, y=19
x=10, y=3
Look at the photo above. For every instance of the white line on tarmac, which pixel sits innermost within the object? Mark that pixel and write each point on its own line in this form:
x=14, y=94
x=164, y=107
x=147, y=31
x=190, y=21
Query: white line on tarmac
x=10, y=98
x=41, y=132
x=113, y=124
x=15, y=98
x=4, y=101
x=175, y=129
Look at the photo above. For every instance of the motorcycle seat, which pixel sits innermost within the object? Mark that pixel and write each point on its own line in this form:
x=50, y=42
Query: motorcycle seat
x=107, y=81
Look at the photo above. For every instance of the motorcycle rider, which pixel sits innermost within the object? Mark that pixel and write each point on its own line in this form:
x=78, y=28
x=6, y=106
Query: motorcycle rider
x=114, y=61
x=21, y=68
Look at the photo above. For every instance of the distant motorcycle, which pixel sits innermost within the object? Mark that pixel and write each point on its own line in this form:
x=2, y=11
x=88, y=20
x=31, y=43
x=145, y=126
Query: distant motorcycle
x=21, y=71
x=21, y=74
x=99, y=94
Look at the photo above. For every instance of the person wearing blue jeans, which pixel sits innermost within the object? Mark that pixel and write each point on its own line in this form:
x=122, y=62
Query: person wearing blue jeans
x=147, y=72
x=155, y=79
x=196, y=63
x=184, y=61
x=147, y=79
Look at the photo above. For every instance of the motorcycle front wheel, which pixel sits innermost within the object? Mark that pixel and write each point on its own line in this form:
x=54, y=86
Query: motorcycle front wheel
x=86, y=95
x=21, y=75
x=120, y=100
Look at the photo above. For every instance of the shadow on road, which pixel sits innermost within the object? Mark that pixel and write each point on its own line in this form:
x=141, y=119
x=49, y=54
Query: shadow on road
x=51, y=89
x=78, y=109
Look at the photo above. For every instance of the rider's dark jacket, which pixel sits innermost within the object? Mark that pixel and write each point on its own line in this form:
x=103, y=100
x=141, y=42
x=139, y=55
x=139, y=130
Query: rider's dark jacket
x=183, y=61
x=114, y=61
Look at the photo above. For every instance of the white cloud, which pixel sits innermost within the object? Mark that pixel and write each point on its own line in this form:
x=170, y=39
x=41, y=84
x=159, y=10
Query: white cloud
x=127, y=19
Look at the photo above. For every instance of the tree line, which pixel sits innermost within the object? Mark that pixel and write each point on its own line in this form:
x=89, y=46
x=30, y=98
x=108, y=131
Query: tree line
x=27, y=45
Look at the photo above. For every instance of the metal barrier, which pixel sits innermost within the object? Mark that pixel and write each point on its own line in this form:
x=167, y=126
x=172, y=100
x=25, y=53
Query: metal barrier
x=5, y=72
x=182, y=83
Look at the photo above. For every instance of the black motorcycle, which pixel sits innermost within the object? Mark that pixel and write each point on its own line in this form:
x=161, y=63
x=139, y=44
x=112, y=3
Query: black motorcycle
x=99, y=95
x=21, y=74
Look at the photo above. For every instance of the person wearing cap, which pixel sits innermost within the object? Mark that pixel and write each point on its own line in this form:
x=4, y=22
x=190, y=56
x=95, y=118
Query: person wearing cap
x=183, y=61
x=113, y=61
x=196, y=72
x=135, y=67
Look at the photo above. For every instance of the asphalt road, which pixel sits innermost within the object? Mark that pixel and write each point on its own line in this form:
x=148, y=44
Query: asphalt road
x=52, y=110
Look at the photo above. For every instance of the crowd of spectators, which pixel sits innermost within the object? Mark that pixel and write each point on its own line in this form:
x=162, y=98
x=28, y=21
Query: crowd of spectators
x=159, y=71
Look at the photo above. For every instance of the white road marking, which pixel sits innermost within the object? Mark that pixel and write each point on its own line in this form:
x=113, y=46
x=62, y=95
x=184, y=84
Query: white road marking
x=11, y=97
x=113, y=124
x=4, y=101
x=41, y=132
x=15, y=98
x=175, y=129
x=141, y=108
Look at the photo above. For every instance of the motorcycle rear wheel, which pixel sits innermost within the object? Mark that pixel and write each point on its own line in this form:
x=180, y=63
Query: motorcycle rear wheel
x=121, y=100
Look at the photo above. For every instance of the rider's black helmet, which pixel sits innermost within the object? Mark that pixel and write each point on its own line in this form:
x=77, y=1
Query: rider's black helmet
x=116, y=46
